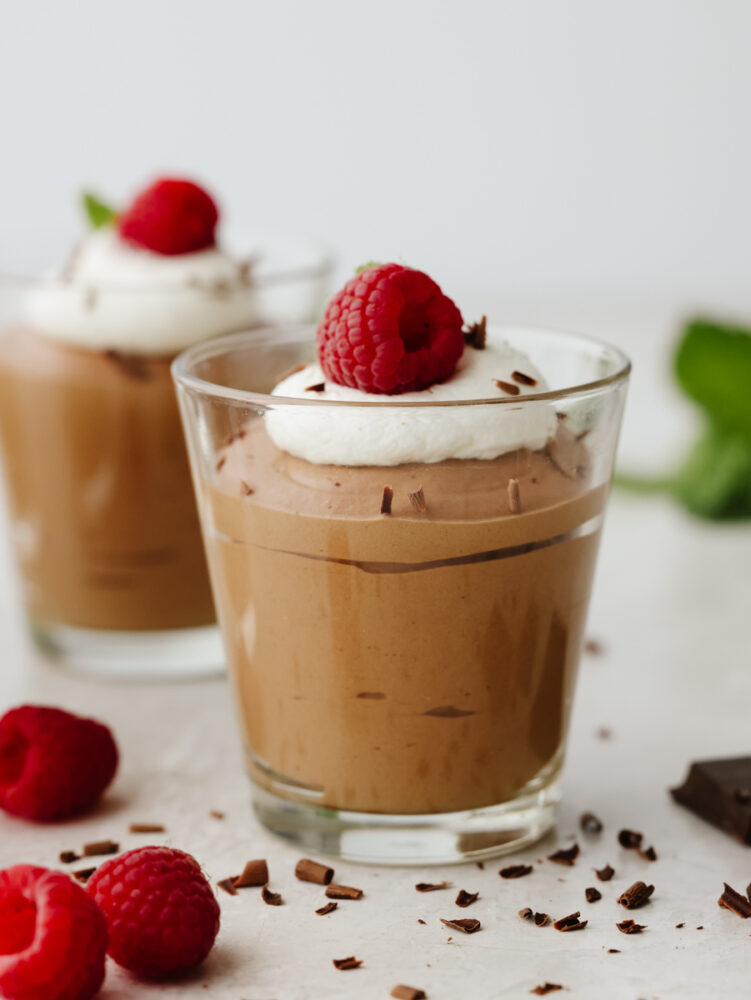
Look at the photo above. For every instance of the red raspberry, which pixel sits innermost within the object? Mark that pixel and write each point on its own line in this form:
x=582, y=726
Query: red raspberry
x=53, y=938
x=171, y=217
x=161, y=912
x=390, y=329
x=53, y=764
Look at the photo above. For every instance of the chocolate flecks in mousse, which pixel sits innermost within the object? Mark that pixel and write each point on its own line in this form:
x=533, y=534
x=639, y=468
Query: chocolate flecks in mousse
x=636, y=896
x=466, y=898
x=480, y=865
x=630, y=927
x=605, y=874
x=592, y=895
x=476, y=334
x=650, y=854
x=221, y=463
x=614, y=951
x=216, y=814
x=590, y=823
x=545, y=988
x=507, y=387
x=679, y=926
x=371, y=695
x=254, y=873
x=271, y=898
x=347, y=963
x=228, y=884
x=421, y=921
x=68, y=857
x=407, y=993
x=448, y=712
x=719, y=791
x=343, y=892
x=83, y=874
x=387, y=499
x=735, y=902
x=432, y=886
x=523, y=379
x=465, y=925
x=311, y=871
x=318, y=387
x=630, y=839
x=566, y=855
x=514, y=497
x=146, y=828
x=323, y=911
x=245, y=489
x=131, y=365
x=417, y=499
x=594, y=647
x=570, y=923
x=515, y=871
x=98, y=847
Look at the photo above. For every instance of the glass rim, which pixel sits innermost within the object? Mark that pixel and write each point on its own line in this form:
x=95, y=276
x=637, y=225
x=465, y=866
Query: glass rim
x=193, y=355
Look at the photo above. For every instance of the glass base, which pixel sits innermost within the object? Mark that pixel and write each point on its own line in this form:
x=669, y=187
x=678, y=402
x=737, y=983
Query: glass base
x=433, y=839
x=169, y=654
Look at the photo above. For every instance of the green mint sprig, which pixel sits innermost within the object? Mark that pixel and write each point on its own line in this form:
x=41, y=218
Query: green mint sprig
x=98, y=212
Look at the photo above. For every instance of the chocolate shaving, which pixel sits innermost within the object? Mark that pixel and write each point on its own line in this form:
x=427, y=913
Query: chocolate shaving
x=246, y=490
x=318, y=387
x=476, y=334
x=221, y=463
x=524, y=379
x=649, y=855
x=592, y=895
x=146, y=828
x=466, y=925
x=432, y=886
x=679, y=926
x=630, y=839
x=328, y=908
x=590, y=823
x=254, y=873
x=509, y=387
x=605, y=874
x=228, y=884
x=372, y=695
x=311, y=871
x=421, y=921
x=131, y=365
x=515, y=871
x=541, y=919
x=480, y=865
x=466, y=898
x=347, y=963
x=271, y=898
x=216, y=814
x=527, y=913
x=545, y=988
x=83, y=874
x=417, y=499
x=735, y=902
x=566, y=855
x=97, y=847
x=629, y=927
x=514, y=498
x=68, y=857
x=386, y=500
x=343, y=892
x=636, y=895
x=448, y=712
x=570, y=923
x=408, y=993
x=614, y=951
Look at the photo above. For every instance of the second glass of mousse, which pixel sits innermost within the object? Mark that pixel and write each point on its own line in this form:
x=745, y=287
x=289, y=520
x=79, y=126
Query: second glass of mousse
x=402, y=535
x=103, y=514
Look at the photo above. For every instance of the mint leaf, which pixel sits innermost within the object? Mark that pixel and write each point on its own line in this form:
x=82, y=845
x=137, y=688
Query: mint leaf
x=713, y=366
x=715, y=480
x=99, y=214
x=365, y=267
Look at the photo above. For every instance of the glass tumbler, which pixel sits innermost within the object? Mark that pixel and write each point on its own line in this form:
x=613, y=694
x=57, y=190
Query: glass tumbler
x=403, y=639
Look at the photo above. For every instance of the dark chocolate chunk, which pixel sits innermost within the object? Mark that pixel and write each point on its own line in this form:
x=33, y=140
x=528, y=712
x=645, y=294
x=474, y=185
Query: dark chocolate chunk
x=421, y=921
x=570, y=923
x=629, y=927
x=605, y=874
x=614, y=951
x=592, y=895
x=228, y=884
x=347, y=963
x=311, y=871
x=630, y=839
x=271, y=898
x=417, y=499
x=408, y=993
x=508, y=387
x=318, y=387
x=465, y=925
x=734, y=901
x=515, y=871
x=328, y=908
x=83, y=874
x=523, y=379
x=566, y=855
x=476, y=334
x=387, y=499
x=68, y=857
x=432, y=886
x=636, y=896
x=711, y=791
x=541, y=919
x=466, y=898
x=678, y=926
x=98, y=847
x=343, y=892
x=545, y=988
x=590, y=823
x=650, y=854
x=254, y=873
x=146, y=828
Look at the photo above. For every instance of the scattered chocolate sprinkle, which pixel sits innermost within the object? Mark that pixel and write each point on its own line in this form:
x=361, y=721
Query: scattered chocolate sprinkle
x=343, y=892
x=386, y=500
x=515, y=871
x=254, y=873
x=526, y=913
x=678, y=926
x=311, y=871
x=372, y=695
x=476, y=334
x=630, y=839
x=629, y=927
x=566, y=855
x=545, y=988
x=347, y=963
x=216, y=814
x=592, y=895
x=271, y=898
x=649, y=855
x=605, y=874
x=466, y=898
x=245, y=489
x=524, y=379
x=408, y=993
x=448, y=712
x=541, y=919
x=228, y=884
x=604, y=733
x=97, y=847
x=421, y=921
x=614, y=951
x=465, y=925
x=318, y=387
x=590, y=823
x=131, y=365
x=146, y=828
x=570, y=923
x=328, y=908
x=735, y=902
x=417, y=499
x=636, y=895
x=594, y=647
x=432, y=886
x=221, y=463
x=509, y=387
x=83, y=874
x=68, y=857
x=514, y=498
x=480, y=865
x=700, y=927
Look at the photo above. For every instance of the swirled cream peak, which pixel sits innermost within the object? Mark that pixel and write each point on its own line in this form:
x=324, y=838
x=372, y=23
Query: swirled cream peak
x=391, y=434
x=117, y=296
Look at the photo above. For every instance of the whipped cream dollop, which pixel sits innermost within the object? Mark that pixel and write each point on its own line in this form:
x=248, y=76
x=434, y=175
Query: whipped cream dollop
x=114, y=295
x=391, y=434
